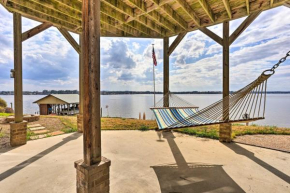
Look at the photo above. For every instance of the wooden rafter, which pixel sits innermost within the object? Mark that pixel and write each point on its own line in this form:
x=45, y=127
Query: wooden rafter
x=34, y=31
x=228, y=8
x=204, y=4
x=243, y=26
x=248, y=6
x=190, y=12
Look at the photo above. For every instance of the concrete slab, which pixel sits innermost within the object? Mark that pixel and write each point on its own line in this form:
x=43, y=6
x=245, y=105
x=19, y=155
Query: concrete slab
x=144, y=163
x=36, y=128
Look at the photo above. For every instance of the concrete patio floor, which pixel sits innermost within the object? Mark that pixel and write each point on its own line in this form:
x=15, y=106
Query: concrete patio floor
x=147, y=162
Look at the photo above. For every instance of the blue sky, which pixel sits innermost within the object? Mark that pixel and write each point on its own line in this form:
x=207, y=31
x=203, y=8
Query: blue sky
x=49, y=62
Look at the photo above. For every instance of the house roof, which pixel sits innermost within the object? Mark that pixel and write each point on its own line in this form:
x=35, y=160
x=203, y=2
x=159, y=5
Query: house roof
x=141, y=18
x=65, y=98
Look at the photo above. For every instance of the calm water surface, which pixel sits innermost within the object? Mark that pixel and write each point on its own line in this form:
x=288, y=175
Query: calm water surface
x=129, y=106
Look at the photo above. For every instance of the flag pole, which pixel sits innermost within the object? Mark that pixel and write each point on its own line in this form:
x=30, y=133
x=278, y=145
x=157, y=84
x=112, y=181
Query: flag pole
x=154, y=78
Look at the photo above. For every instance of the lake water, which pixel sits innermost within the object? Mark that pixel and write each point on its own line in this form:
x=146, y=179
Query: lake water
x=129, y=106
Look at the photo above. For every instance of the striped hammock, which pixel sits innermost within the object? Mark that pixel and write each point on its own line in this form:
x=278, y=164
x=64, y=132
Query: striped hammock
x=245, y=105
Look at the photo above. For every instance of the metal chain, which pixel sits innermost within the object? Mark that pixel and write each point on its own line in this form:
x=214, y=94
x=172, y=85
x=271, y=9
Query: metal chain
x=278, y=64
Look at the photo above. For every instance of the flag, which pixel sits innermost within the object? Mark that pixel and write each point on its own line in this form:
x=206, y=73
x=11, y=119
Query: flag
x=154, y=57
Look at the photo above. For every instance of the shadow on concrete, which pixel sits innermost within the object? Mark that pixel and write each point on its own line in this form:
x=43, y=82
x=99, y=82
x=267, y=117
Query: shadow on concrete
x=29, y=161
x=184, y=177
x=242, y=151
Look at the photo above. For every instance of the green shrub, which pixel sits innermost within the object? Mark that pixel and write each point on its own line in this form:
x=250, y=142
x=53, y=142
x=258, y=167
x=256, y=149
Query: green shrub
x=144, y=128
x=3, y=103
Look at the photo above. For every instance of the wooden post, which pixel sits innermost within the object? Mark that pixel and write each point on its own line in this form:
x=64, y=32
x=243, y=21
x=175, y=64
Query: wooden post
x=93, y=170
x=18, y=128
x=18, y=97
x=226, y=129
x=166, y=71
x=81, y=90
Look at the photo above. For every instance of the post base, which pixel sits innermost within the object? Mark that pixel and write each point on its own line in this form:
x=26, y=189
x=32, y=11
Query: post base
x=80, y=123
x=225, y=132
x=18, y=132
x=93, y=178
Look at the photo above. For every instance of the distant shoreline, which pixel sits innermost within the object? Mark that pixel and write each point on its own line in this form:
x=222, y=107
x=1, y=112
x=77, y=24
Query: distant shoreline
x=129, y=92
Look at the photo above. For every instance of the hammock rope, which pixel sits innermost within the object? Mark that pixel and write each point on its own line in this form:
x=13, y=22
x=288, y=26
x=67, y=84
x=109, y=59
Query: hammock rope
x=244, y=105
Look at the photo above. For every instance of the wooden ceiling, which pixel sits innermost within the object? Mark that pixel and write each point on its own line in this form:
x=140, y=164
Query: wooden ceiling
x=141, y=18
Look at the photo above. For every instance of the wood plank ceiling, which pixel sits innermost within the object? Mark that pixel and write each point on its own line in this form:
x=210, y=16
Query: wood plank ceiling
x=140, y=18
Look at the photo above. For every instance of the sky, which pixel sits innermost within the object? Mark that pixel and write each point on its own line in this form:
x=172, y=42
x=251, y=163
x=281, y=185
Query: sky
x=50, y=63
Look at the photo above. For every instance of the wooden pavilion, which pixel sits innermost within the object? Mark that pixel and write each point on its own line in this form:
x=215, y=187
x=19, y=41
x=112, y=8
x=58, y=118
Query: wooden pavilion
x=60, y=104
x=121, y=18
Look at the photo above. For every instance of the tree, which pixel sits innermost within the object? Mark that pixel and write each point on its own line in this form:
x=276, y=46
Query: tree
x=3, y=103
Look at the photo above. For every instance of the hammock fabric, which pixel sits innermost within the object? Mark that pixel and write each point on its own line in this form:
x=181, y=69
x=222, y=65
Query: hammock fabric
x=244, y=105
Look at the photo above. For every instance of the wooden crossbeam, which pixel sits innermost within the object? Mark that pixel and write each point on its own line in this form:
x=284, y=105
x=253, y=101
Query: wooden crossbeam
x=34, y=31
x=70, y=39
x=175, y=43
x=127, y=29
x=243, y=26
x=141, y=6
x=190, y=12
x=228, y=8
x=211, y=35
x=248, y=6
x=204, y=4
x=287, y=4
x=40, y=8
x=34, y=15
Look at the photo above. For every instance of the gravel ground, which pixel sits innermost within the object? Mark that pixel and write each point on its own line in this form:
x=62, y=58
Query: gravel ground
x=278, y=142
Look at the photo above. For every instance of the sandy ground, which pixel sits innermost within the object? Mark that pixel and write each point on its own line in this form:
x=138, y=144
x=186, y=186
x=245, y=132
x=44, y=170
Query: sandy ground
x=143, y=162
x=279, y=142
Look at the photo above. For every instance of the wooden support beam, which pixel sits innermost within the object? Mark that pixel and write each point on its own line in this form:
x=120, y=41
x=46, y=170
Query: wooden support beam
x=287, y=4
x=212, y=35
x=228, y=8
x=226, y=128
x=34, y=31
x=186, y=7
x=81, y=80
x=204, y=4
x=243, y=26
x=175, y=43
x=166, y=72
x=70, y=39
x=248, y=6
x=91, y=62
x=18, y=88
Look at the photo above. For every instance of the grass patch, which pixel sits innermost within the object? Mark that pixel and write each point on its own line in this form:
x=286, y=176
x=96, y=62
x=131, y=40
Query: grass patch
x=237, y=130
x=2, y=135
x=70, y=124
x=29, y=134
x=5, y=114
x=144, y=128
